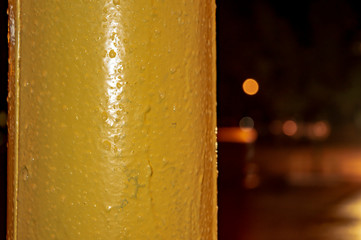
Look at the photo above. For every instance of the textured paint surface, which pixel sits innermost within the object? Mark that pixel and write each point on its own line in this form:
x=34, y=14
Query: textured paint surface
x=112, y=120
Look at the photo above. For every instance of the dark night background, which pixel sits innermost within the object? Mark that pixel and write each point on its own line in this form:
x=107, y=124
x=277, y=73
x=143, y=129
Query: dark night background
x=306, y=57
x=3, y=108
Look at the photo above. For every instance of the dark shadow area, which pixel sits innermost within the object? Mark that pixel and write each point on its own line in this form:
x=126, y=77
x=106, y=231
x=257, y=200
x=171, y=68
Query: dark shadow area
x=3, y=111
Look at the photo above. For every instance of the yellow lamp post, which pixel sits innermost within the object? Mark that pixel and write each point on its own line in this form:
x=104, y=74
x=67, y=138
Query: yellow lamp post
x=112, y=120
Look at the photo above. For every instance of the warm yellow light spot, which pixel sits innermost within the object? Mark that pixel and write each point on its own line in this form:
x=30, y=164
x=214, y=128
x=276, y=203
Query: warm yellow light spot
x=289, y=128
x=250, y=86
x=234, y=134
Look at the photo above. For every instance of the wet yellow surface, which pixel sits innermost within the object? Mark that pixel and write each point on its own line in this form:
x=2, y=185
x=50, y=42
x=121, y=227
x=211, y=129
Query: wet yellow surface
x=112, y=126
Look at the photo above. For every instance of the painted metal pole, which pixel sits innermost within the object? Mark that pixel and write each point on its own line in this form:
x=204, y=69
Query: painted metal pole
x=112, y=120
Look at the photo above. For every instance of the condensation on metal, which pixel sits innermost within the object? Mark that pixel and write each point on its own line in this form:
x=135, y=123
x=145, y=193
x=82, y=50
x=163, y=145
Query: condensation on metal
x=117, y=117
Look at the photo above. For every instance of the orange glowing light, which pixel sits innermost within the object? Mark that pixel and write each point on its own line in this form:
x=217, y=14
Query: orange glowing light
x=290, y=128
x=250, y=86
x=319, y=130
x=237, y=135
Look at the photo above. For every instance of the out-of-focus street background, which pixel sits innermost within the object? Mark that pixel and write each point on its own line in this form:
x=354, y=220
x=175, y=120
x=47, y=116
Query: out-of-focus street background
x=289, y=119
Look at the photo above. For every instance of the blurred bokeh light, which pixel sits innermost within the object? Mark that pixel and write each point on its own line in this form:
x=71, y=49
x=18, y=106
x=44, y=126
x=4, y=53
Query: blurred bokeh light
x=289, y=128
x=237, y=135
x=250, y=86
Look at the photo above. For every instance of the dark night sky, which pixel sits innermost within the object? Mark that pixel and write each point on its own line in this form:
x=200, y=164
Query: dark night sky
x=305, y=55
